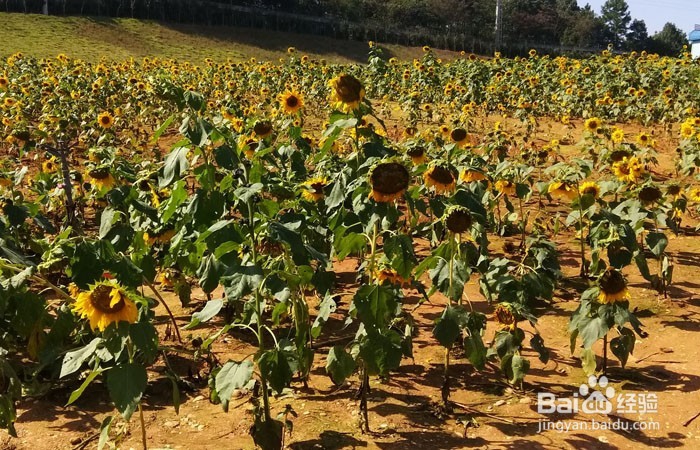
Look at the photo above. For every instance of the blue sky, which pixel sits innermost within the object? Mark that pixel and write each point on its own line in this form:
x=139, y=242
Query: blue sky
x=655, y=13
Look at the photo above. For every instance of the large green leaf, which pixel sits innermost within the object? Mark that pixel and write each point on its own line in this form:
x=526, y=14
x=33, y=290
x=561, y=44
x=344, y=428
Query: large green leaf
x=325, y=309
x=449, y=325
x=75, y=359
x=211, y=308
x=126, y=385
x=339, y=364
x=375, y=305
x=381, y=353
x=623, y=346
x=233, y=375
x=276, y=368
x=399, y=250
x=176, y=164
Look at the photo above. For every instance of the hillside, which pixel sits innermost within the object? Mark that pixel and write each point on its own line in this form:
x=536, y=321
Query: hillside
x=95, y=38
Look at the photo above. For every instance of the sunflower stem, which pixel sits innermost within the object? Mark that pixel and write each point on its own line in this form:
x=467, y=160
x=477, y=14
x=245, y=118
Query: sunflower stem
x=165, y=305
x=143, y=428
x=258, y=312
x=581, y=226
x=605, y=354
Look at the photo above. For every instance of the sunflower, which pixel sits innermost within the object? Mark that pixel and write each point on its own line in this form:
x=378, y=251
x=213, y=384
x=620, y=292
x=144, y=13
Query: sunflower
x=247, y=145
x=417, y=154
x=389, y=181
x=650, y=194
x=389, y=275
x=410, y=131
x=457, y=219
x=291, y=102
x=4, y=82
x=505, y=187
x=470, y=175
x=504, y=316
x=103, y=304
x=263, y=128
x=617, y=136
x=674, y=190
x=589, y=188
x=645, y=140
x=459, y=136
x=313, y=188
x=593, y=124
x=440, y=177
x=687, y=130
x=160, y=237
x=628, y=169
x=49, y=166
x=105, y=120
x=694, y=194
x=613, y=287
x=101, y=178
x=347, y=90
x=444, y=130
x=562, y=190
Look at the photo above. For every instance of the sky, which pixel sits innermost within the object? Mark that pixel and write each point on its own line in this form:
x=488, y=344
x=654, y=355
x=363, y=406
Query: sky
x=655, y=13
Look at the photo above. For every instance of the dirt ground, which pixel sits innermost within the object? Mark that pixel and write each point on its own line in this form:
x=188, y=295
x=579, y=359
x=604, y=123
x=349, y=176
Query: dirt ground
x=402, y=413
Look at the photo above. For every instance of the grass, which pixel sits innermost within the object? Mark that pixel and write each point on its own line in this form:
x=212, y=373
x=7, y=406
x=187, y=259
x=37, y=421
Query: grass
x=117, y=39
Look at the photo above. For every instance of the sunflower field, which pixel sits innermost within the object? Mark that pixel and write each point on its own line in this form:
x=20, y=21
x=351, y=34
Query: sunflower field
x=254, y=231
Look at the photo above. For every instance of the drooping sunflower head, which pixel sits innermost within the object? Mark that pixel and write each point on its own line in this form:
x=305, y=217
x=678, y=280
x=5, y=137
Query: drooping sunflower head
x=613, y=287
x=562, y=190
x=589, y=188
x=101, y=178
x=649, y=194
x=618, y=155
x=457, y=219
x=674, y=190
x=504, y=316
x=459, y=136
x=470, y=174
x=505, y=187
x=441, y=177
x=418, y=155
x=105, y=303
x=347, y=90
x=263, y=128
x=314, y=188
x=389, y=180
x=388, y=275
x=105, y=120
x=291, y=102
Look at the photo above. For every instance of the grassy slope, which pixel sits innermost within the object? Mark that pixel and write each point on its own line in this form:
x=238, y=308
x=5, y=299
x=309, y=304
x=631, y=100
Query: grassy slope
x=94, y=38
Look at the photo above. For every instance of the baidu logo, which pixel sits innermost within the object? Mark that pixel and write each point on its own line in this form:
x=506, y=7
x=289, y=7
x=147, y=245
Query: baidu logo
x=593, y=397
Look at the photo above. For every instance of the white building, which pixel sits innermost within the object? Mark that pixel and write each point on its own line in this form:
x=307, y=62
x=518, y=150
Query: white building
x=694, y=37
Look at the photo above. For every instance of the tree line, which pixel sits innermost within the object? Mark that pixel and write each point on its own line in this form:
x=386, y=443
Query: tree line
x=548, y=23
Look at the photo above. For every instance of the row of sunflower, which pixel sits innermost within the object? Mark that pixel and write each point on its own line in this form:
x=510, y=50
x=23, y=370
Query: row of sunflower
x=253, y=204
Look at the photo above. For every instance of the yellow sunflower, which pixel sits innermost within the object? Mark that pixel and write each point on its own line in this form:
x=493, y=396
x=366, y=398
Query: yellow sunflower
x=389, y=275
x=687, y=130
x=618, y=136
x=645, y=140
x=103, y=304
x=417, y=154
x=589, y=188
x=593, y=124
x=101, y=178
x=49, y=166
x=4, y=82
x=505, y=187
x=460, y=137
x=313, y=188
x=291, y=102
x=694, y=194
x=441, y=178
x=389, y=181
x=562, y=190
x=470, y=175
x=613, y=287
x=105, y=120
x=628, y=169
x=347, y=91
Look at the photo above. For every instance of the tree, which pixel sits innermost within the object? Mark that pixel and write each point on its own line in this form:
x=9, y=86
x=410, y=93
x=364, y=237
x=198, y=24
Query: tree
x=616, y=16
x=585, y=30
x=669, y=41
x=638, y=37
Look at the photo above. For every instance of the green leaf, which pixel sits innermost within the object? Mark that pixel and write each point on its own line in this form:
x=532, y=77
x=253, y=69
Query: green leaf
x=233, y=375
x=242, y=282
x=176, y=164
x=449, y=325
x=623, y=346
x=281, y=233
x=325, y=309
x=75, y=395
x=210, y=310
x=104, y=432
x=349, y=243
x=475, y=350
x=440, y=276
x=381, y=353
x=588, y=361
x=108, y=218
x=515, y=368
x=399, y=250
x=126, y=385
x=339, y=365
x=657, y=243
x=275, y=367
x=145, y=339
x=73, y=360
x=591, y=329
x=178, y=195
x=162, y=129
x=375, y=305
